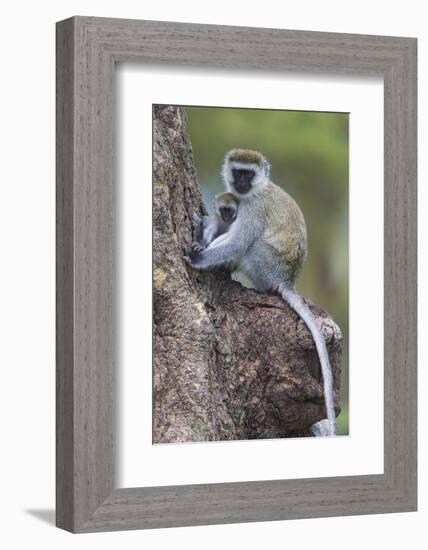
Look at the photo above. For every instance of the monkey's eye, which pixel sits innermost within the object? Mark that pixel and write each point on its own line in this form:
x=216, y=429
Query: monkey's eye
x=227, y=213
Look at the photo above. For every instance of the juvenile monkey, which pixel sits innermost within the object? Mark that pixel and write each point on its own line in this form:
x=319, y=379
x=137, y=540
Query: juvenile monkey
x=268, y=242
x=208, y=228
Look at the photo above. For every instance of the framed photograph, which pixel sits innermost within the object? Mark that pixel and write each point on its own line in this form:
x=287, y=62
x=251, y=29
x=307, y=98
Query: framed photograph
x=236, y=274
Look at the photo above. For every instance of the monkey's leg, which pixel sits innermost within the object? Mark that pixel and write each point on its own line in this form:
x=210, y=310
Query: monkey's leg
x=197, y=228
x=200, y=224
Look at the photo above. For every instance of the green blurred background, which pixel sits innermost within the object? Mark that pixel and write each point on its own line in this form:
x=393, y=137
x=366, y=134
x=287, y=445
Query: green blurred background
x=308, y=153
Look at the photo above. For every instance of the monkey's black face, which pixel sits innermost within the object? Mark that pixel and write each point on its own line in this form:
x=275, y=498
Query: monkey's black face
x=227, y=213
x=242, y=180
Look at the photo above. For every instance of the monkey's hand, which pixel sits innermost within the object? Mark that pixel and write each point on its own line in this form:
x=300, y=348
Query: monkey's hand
x=217, y=254
x=197, y=247
x=191, y=255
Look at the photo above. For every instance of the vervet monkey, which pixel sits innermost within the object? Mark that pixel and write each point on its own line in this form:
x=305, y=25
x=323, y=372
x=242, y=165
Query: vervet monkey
x=268, y=243
x=208, y=228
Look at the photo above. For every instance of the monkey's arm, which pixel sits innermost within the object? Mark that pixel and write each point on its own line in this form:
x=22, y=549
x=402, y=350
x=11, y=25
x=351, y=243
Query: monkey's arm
x=226, y=250
x=211, y=231
x=205, y=230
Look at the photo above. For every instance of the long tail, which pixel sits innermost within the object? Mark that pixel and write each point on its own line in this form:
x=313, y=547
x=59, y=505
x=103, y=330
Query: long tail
x=295, y=301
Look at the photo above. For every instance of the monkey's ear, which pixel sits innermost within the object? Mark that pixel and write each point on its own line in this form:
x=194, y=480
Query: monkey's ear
x=266, y=168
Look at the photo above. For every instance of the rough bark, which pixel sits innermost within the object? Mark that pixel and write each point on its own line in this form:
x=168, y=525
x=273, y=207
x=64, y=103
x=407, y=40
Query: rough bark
x=229, y=362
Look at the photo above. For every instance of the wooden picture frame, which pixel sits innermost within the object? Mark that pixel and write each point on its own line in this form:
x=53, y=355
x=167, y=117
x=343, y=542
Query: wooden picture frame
x=87, y=50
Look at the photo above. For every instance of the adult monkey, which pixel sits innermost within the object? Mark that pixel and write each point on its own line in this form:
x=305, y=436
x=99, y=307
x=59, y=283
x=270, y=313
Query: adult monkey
x=267, y=241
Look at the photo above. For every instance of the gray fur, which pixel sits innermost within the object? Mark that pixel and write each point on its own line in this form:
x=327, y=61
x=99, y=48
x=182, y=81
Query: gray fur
x=267, y=242
x=321, y=428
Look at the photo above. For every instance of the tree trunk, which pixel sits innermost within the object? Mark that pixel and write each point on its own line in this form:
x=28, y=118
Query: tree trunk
x=229, y=362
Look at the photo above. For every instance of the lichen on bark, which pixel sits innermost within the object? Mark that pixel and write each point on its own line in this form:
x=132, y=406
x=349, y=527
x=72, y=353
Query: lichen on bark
x=229, y=362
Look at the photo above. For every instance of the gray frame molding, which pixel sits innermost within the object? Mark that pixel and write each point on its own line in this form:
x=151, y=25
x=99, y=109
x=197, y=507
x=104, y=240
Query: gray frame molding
x=87, y=50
